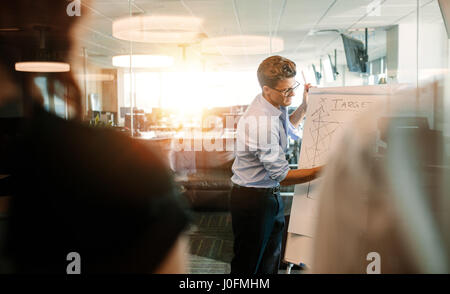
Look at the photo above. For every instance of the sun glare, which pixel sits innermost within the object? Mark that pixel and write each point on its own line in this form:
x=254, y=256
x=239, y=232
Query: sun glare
x=190, y=92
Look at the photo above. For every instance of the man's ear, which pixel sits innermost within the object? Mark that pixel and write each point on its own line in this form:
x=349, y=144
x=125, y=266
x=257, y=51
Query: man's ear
x=265, y=90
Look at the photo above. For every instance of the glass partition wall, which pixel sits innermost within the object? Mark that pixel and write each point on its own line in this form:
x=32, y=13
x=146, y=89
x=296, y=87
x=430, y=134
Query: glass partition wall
x=155, y=68
x=193, y=55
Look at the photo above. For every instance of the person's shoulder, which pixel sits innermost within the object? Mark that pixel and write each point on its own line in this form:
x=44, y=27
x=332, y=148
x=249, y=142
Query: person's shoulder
x=256, y=109
x=99, y=147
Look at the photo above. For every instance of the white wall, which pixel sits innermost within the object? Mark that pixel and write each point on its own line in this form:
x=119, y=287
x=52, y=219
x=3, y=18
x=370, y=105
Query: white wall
x=407, y=54
x=433, y=52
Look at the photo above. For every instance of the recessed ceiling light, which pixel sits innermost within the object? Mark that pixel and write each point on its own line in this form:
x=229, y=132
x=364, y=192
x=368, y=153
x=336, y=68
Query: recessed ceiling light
x=242, y=45
x=143, y=61
x=158, y=29
x=42, y=66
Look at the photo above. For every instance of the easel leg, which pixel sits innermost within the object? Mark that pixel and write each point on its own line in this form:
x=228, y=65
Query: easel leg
x=289, y=267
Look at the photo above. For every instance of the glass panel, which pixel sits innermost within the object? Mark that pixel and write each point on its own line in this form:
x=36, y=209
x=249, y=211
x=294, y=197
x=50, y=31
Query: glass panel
x=41, y=82
x=434, y=69
x=201, y=59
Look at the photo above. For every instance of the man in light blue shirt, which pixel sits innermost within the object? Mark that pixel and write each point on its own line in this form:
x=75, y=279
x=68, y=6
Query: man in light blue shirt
x=261, y=166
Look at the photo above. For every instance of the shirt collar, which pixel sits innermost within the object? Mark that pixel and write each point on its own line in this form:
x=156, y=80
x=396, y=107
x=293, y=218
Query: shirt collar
x=272, y=109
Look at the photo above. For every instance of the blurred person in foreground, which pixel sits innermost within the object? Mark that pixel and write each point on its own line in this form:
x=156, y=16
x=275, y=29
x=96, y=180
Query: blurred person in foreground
x=73, y=188
x=383, y=199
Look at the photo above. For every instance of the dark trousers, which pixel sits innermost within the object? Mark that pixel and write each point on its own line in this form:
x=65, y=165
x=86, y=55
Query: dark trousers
x=258, y=224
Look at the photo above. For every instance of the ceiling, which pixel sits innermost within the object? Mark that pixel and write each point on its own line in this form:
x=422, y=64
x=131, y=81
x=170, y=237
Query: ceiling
x=299, y=22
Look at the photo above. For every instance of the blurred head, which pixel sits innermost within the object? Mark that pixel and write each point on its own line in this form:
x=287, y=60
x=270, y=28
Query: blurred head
x=21, y=24
x=276, y=76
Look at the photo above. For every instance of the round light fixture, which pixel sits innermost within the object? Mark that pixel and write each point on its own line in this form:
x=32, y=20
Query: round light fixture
x=143, y=61
x=45, y=60
x=42, y=66
x=157, y=29
x=242, y=45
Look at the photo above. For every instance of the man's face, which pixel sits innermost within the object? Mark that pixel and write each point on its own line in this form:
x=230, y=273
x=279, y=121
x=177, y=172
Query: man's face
x=277, y=96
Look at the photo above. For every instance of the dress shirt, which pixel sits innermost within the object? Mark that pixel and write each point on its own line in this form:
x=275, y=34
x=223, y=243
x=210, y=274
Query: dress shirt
x=262, y=141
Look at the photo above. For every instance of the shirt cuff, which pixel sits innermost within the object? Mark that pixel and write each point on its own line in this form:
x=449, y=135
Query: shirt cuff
x=283, y=175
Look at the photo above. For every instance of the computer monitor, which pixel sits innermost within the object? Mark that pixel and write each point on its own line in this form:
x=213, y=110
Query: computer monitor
x=95, y=103
x=138, y=121
x=333, y=65
x=355, y=54
x=124, y=111
x=317, y=74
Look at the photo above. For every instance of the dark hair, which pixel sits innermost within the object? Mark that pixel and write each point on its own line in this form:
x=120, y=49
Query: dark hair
x=274, y=69
x=22, y=42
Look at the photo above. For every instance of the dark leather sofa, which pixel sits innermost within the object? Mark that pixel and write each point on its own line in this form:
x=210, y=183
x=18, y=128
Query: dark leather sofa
x=208, y=186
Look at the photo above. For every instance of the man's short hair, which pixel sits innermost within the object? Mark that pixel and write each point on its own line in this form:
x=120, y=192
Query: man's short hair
x=274, y=69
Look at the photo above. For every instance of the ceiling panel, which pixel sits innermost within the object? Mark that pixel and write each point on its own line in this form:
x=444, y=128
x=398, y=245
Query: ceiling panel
x=218, y=16
x=297, y=22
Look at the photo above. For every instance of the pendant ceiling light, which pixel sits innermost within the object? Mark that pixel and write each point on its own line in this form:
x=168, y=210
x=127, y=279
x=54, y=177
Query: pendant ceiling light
x=242, y=45
x=143, y=61
x=44, y=61
x=158, y=29
x=42, y=66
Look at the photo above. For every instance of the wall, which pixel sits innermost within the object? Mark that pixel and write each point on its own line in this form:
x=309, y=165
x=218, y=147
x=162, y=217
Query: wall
x=109, y=91
x=99, y=81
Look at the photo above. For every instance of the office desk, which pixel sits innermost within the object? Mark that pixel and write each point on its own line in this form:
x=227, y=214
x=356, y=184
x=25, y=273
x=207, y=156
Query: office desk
x=201, y=162
x=201, y=150
x=186, y=151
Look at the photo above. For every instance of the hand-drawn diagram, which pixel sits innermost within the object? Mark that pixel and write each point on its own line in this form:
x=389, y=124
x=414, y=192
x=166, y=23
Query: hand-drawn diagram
x=326, y=118
x=325, y=122
x=321, y=131
x=329, y=112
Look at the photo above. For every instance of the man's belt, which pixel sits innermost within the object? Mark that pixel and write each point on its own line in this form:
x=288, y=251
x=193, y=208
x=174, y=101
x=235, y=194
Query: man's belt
x=272, y=190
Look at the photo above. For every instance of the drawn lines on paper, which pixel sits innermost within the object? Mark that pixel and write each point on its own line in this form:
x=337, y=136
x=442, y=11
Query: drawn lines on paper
x=321, y=132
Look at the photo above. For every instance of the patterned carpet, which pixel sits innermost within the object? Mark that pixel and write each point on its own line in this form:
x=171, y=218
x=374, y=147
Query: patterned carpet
x=211, y=244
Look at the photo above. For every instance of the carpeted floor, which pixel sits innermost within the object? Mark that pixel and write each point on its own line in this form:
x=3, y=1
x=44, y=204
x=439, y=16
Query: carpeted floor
x=211, y=244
